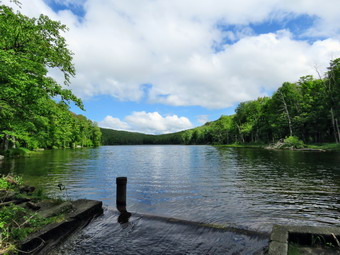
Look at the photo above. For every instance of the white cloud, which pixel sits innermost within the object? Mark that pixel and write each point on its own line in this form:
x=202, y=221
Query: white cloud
x=120, y=45
x=150, y=123
x=113, y=123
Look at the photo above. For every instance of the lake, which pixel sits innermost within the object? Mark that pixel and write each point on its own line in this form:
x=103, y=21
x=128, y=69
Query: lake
x=249, y=188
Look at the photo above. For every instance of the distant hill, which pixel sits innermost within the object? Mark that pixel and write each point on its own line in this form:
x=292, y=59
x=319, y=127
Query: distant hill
x=116, y=137
x=214, y=132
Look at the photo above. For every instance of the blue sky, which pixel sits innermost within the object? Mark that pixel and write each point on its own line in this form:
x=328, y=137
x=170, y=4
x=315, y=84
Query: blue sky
x=158, y=66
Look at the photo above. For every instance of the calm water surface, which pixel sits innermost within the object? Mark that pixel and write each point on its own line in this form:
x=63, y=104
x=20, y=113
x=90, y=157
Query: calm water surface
x=250, y=188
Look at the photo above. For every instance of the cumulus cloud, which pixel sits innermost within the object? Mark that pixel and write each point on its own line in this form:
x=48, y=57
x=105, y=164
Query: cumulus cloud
x=113, y=123
x=149, y=123
x=121, y=45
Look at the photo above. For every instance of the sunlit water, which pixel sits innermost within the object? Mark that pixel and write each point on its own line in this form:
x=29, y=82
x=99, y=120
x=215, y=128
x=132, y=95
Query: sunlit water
x=250, y=188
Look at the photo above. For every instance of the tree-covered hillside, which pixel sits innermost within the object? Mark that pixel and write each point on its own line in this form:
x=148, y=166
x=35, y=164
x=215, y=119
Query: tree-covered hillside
x=308, y=109
x=34, y=111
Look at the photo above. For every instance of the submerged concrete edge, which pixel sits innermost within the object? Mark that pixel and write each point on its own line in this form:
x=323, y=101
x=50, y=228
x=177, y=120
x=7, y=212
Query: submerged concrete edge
x=51, y=235
x=220, y=227
x=279, y=239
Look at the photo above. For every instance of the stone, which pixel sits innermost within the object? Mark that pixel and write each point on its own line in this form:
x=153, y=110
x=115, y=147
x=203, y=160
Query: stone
x=33, y=206
x=27, y=189
x=277, y=248
x=7, y=195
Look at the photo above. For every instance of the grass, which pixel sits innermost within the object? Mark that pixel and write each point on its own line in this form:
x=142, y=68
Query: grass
x=9, y=182
x=294, y=249
x=16, y=221
x=325, y=146
x=314, y=244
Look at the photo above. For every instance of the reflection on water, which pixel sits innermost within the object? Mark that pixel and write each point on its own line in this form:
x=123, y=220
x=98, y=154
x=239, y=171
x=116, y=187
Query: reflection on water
x=252, y=188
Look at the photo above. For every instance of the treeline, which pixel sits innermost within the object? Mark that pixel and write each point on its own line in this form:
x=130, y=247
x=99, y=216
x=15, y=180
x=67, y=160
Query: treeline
x=308, y=109
x=53, y=126
x=34, y=110
x=116, y=137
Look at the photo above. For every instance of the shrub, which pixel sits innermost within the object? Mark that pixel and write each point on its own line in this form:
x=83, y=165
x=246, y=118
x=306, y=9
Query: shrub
x=293, y=142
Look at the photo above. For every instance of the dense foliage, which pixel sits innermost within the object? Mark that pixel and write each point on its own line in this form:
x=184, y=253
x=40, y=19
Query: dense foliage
x=308, y=110
x=34, y=108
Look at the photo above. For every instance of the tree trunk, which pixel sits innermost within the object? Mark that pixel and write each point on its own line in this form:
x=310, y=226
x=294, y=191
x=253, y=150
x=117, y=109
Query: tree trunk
x=6, y=142
x=241, y=135
x=335, y=127
x=13, y=141
x=287, y=113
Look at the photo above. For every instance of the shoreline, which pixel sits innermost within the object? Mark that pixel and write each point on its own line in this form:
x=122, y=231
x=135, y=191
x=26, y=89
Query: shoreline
x=329, y=147
x=31, y=222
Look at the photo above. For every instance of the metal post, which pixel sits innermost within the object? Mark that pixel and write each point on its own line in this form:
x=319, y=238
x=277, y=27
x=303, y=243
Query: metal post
x=121, y=191
x=121, y=200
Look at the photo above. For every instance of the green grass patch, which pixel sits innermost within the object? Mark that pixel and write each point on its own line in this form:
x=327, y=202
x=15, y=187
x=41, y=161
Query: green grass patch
x=294, y=249
x=16, y=221
x=10, y=182
x=325, y=146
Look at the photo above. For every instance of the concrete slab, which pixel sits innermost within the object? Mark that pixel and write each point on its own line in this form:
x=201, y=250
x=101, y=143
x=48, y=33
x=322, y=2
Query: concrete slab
x=150, y=234
x=47, y=238
x=281, y=236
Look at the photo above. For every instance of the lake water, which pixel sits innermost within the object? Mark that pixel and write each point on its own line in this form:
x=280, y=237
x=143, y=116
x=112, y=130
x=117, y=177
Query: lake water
x=249, y=188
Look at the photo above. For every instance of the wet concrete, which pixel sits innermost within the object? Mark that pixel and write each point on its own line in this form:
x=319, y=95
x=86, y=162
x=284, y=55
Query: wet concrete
x=144, y=234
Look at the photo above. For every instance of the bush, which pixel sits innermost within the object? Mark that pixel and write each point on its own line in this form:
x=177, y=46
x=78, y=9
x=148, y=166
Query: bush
x=293, y=142
x=10, y=182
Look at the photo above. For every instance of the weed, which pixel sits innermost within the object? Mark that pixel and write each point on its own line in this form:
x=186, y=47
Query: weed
x=10, y=182
x=294, y=249
x=294, y=142
x=16, y=222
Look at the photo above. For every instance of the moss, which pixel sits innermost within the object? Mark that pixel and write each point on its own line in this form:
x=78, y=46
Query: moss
x=294, y=249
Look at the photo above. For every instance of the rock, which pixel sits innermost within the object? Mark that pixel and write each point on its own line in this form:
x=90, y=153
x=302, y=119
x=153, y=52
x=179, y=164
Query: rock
x=33, y=206
x=2, y=157
x=27, y=189
x=6, y=195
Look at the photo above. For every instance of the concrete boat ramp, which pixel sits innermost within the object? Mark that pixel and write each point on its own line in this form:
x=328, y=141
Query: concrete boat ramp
x=147, y=234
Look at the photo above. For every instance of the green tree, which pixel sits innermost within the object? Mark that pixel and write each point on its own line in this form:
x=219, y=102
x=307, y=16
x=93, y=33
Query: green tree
x=286, y=104
x=29, y=47
x=333, y=94
x=248, y=117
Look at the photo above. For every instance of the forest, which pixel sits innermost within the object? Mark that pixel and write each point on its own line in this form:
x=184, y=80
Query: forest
x=34, y=107
x=307, y=110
